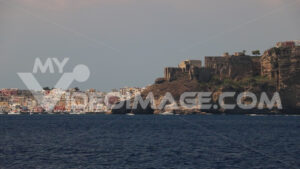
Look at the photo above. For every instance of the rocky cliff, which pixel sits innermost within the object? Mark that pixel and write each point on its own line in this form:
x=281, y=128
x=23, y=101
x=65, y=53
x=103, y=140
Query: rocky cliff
x=282, y=65
x=277, y=70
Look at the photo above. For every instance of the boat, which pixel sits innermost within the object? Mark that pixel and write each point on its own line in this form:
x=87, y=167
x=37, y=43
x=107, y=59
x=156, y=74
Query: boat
x=75, y=113
x=14, y=113
x=167, y=113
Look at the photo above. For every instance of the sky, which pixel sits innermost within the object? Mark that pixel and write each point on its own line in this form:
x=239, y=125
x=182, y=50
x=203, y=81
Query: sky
x=129, y=42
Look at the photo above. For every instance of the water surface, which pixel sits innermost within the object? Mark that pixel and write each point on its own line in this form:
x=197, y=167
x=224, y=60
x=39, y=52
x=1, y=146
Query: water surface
x=150, y=141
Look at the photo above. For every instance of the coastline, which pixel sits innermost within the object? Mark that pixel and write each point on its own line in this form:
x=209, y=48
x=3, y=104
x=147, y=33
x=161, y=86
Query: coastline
x=182, y=113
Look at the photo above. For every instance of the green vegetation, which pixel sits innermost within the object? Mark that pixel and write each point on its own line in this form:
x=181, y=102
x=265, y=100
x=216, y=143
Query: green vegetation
x=256, y=52
x=47, y=88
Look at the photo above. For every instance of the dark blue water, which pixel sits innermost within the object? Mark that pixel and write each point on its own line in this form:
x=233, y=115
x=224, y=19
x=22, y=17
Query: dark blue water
x=108, y=141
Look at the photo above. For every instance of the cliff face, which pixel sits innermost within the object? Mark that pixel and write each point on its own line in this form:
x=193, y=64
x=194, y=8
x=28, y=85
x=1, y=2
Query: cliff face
x=283, y=66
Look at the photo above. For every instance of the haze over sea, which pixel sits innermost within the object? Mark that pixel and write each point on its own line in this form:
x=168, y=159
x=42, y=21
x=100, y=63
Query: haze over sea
x=150, y=141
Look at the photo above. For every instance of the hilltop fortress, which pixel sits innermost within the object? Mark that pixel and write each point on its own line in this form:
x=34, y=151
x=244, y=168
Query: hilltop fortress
x=228, y=66
x=276, y=70
x=280, y=64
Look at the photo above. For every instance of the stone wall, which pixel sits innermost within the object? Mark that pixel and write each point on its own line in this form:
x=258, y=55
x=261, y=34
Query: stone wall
x=187, y=64
x=200, y=74
x=256, y=66
x=215, y=62
x=234, y=67
x=173, y=73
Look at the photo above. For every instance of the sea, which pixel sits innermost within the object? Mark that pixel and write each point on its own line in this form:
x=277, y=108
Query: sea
x=149, y=141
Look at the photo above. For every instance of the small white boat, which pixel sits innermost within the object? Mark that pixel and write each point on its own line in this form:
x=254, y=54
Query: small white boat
x=14, y=113
x=167, y=113
x=75, y=113
x=130, y=114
